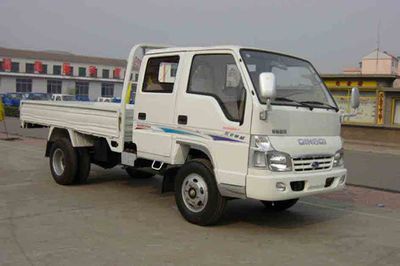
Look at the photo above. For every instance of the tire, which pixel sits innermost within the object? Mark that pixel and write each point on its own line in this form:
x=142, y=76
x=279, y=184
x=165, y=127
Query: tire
x=196, y=193
x=278, y=206
x=136, y=173
x=63, y=162
x=83, y=170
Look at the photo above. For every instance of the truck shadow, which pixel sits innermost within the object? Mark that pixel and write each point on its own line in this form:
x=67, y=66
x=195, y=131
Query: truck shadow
x=119, y=176
x=300, y=215
x=236, y=212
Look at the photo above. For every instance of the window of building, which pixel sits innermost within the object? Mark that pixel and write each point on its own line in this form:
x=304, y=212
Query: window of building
x=1, y=66
x=133, y=93
x=82, y=88
x=24, y=85
x=106, y=73
x=44, y=69
x=71, y=73
x=82, y=71
x=107, y=89
x=54, y=86
x=160, y=74
x=29, y=68
x=14, y=67
x=56, y=70
x=396, y=110
x=218, y=76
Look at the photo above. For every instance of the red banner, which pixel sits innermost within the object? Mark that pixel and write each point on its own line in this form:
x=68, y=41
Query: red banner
x=93, y=71
x=38, y=67
x=117, y=73
x=7, y=64
x=66, y=69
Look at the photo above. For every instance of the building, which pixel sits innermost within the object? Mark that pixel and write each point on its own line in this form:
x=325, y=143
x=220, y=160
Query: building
x=60, y=72
x=379, y=97
x=378, y=62
x=378, y=80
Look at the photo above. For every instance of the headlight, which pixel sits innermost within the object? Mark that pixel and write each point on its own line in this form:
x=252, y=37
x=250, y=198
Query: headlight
x=260, y=145
x=279, y=161
x=338, y=158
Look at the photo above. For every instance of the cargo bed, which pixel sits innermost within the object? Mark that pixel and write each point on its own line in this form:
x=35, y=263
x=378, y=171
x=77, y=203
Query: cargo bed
x=92, y=118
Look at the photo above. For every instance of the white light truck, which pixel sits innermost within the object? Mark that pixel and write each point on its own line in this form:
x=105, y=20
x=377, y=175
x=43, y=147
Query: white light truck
x=218, y=123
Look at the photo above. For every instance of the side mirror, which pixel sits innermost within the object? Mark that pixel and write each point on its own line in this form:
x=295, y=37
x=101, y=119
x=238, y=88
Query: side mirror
x=355, y=98
x=267, y=91
x=354, y=104
x=267, y=85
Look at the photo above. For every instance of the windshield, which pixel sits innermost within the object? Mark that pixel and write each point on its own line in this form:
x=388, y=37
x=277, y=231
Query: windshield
x=15, y=96
x=296, y=79
x=37, y=96
x=68, y=98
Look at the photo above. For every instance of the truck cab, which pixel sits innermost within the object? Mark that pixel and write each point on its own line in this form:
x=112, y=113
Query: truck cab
x=211, y=98
x=223, y=123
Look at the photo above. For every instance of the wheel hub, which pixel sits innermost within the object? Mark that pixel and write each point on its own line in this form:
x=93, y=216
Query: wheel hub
x=194, y=192
x=58, y=162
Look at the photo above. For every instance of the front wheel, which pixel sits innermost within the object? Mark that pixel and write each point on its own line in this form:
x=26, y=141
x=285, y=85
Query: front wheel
x=280, y=205
x=196, y=193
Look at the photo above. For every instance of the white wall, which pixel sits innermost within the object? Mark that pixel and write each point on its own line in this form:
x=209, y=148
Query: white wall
x=8, y=84
x=94, y=90
x=67, y=85
x=117, y=90
x=39, y=85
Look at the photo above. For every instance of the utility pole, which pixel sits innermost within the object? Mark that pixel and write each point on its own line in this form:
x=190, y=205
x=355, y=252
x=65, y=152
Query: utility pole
x=378, y=40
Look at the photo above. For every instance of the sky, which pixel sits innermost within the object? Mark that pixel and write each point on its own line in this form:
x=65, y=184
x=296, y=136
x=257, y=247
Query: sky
x=331, y=34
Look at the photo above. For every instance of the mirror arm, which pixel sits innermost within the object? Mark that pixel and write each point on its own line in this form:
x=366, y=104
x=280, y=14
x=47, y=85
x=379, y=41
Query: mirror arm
x=348, y=115
x=264, y=113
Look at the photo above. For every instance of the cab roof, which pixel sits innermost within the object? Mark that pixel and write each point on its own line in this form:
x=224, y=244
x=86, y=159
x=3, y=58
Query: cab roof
x=235, y=48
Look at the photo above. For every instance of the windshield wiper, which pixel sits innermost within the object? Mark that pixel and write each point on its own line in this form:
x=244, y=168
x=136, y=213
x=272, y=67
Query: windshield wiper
x=322, y=104
x=284, y=99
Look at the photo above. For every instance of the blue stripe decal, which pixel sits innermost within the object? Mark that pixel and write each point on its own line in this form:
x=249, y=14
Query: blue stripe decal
x=184, y=132
x=220, y=138
x=180, y=132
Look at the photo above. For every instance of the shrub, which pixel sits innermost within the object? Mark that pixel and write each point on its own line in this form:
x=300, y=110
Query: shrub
x=11, y=111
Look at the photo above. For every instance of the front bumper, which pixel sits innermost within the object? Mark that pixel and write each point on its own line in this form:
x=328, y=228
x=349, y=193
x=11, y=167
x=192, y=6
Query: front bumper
x=261, y=184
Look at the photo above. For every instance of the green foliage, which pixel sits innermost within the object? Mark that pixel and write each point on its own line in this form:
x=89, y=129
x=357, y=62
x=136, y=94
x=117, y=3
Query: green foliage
x=11, y=111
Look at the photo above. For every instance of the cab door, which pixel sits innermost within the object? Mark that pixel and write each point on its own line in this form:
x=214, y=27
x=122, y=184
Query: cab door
x=214, y=107
x=155, y=106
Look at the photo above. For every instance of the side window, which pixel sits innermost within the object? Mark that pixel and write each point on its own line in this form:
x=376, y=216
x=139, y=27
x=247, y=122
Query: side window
x=160, y=74
x=218, y=76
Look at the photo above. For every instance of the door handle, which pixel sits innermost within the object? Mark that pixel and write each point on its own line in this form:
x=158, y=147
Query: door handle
x=142, y=116
x=182, y=119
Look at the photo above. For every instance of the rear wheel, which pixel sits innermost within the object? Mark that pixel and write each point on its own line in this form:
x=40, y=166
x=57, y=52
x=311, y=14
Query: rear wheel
x=63, y=162
x=137, y=173
x=196, y=193
x=278, y=206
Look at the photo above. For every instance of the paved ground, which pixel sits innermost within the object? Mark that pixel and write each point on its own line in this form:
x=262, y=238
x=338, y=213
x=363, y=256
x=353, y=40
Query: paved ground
x=115, y=220
x=370, y=164
x=373, y=169
x=13, y=127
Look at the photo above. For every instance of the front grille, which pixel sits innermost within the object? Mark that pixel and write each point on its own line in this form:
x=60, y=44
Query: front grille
x=312, y=163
